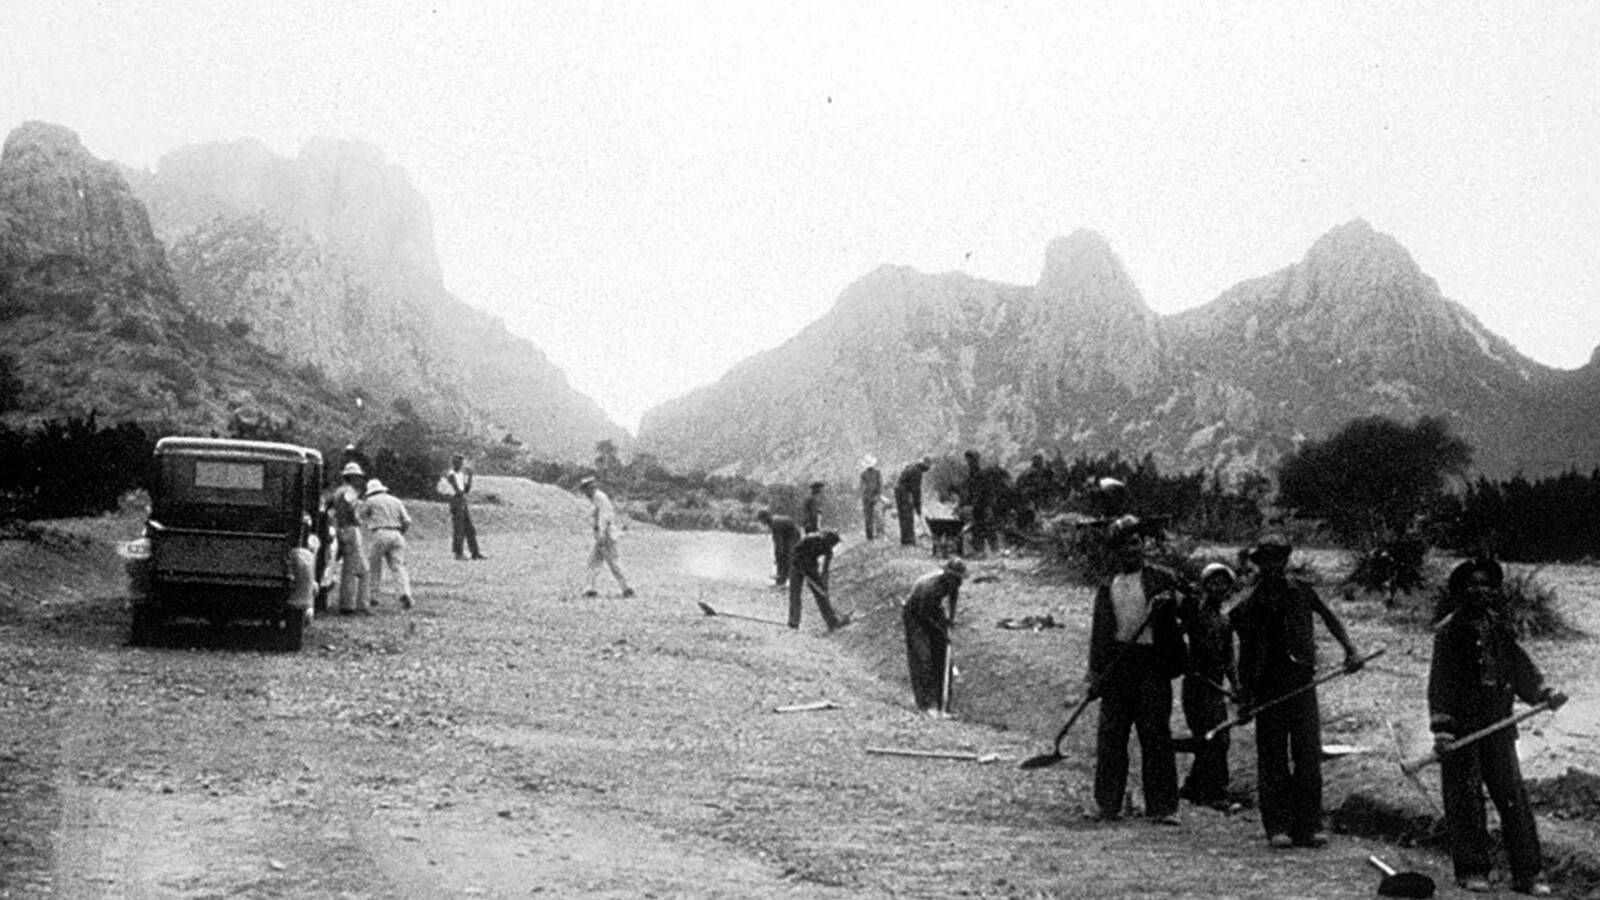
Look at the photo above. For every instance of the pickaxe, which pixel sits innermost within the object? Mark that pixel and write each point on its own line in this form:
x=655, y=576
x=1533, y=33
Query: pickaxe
x=1432, y=756
x=935, y=754
x=1251, y=713
x=706, y=608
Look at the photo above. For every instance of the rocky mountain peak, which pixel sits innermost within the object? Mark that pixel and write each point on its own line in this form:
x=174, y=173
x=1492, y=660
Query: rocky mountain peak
x=75, y=205
x=1083, y=269
x=1357, y=253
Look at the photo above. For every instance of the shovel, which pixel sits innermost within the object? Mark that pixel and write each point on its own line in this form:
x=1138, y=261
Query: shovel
x=1249, y=714
x=1402, y=884
x=1411, y=767
x=706, y=608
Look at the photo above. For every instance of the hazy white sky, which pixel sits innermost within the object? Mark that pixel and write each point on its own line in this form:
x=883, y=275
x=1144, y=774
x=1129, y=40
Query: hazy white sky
x=652, y=191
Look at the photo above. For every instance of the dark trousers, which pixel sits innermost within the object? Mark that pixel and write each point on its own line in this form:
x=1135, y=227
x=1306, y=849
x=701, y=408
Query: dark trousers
x=1139, y=698
x=869, y=516
x=462, y=530
x=1204, y=708
x=1289, y=766
x=800, y=573
x=1490, y=763
x=907, y=514
x=782, y=557
x=927, y=655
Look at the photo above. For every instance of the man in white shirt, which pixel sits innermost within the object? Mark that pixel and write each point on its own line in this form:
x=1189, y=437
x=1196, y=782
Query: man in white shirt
x=605, y=540
x=457, y=484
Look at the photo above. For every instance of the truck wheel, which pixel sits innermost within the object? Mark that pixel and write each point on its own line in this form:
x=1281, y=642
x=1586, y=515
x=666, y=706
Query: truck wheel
x=292, y=638
x=145, y=627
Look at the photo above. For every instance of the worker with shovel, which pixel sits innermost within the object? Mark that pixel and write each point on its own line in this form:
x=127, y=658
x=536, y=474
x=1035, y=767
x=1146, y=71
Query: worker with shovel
x=1277, y=659
x=1135, y=629
x=1477, y=670
x=809, y=565
x=928, y=615
x=1205, y=697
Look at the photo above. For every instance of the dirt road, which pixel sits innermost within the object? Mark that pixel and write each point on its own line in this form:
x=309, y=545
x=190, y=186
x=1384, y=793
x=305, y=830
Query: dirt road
x=509, y=738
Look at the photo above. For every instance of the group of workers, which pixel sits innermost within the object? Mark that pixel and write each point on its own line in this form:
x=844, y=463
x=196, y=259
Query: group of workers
x=1149, y=628
x=368, y=525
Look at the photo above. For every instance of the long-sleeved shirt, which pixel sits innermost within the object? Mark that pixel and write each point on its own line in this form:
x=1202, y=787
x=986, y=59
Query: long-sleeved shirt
x=1477, y=669
x=871, y=483
x=1276, y=640
x=909, y=485
x=385, y=510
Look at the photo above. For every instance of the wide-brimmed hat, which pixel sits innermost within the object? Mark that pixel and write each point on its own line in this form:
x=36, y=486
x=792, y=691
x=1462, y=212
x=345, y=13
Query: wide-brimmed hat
x=955, y=566
x=351, y=468
x=1461, y=576
x=818, y=485
x=376, y=487
x=586, y=481
x=869, y=461
x=1217, y=568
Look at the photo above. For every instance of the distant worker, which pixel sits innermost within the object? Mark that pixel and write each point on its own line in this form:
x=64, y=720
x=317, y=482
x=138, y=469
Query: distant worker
x=981, y=494
x=387, y=523
x=456, y=484
x=605, y=523
x=1478, y=670
x=1277, y=654
x=785, y=534
x=1212, y=675
x=813, y=557
x=871, y=489
x=345, y=508
x=1135, y=650
x=928, y=615
x=1034, y=488
x=908, y=499
x=811, y=511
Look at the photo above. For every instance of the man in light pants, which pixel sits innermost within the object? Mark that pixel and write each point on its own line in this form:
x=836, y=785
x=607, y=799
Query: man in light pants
x=387, y=523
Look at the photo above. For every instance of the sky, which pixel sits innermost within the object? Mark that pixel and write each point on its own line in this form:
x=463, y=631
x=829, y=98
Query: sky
x=651, y=192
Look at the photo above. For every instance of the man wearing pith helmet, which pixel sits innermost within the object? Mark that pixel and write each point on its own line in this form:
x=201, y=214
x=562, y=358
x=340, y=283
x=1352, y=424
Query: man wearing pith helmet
x=353, y=568
x=928, y=614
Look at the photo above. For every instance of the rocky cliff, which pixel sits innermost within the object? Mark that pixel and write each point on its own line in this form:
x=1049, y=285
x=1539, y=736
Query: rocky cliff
x=93, y=319
x=908, y=363
x=328, y=259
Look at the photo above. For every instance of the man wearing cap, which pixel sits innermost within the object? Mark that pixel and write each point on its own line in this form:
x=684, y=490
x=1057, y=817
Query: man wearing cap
x=1211, y=675
x=928, y=615
x=605, y=539
x=1135, y=650
x=813, y=557
x=1477, y=671
x=345, y=507
x=785, y=534
x=1277, y=654
x=811, y=511
x=387, y=523
x=908, y=499
x=871, y=489
x=456, y=484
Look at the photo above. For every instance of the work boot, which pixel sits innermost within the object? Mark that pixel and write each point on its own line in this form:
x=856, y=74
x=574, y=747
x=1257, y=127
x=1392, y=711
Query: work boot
x=591, y=592
x=1279, y=842
x=1477, y=884
x=1167, y=819
x=627, y=592
x=1535, y=888
x=405, y=601
x=1314, y=840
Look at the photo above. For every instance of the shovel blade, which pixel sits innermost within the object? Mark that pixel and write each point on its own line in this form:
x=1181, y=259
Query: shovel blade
x=1040, y=761
x=1407, y=884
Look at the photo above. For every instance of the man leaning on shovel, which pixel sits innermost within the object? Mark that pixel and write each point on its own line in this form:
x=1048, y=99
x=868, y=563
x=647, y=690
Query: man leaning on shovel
x=1278, y=659
x=1477, y=670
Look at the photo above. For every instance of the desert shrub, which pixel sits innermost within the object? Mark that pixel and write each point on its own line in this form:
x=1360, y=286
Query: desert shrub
x=1390, y=568
x=1530, y=603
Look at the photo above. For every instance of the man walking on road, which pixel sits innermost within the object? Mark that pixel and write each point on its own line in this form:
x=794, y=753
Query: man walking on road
x=387, y=523
x=813, y=557
x=785, y=534
x=1278, y=653
x=908, y=499
x=345, y=506
x=457, y=484
x=605, y=540
x=928, y=615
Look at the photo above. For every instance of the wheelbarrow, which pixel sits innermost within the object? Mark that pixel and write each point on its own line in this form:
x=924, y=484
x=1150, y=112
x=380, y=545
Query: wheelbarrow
x=946, y=534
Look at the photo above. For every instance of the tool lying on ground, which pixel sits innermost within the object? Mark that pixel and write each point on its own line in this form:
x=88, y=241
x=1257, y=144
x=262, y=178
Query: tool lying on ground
x=807, y=707
x=1192, y=743
x=1256, y=710
x=936, y=754
x=706, y=608
x=1432, y=756
x=1402, y=884
x=1054, y=756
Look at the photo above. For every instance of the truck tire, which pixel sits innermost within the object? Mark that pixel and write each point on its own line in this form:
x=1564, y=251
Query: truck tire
x=146, y=625
x=292, y=637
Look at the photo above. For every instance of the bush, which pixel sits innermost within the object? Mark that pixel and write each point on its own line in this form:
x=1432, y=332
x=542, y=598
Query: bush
x=1530, y=604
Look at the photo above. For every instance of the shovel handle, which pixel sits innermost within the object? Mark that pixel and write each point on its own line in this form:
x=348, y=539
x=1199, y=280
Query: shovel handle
x=1380, y=865
x=1411, y=767
x=1251, y=713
